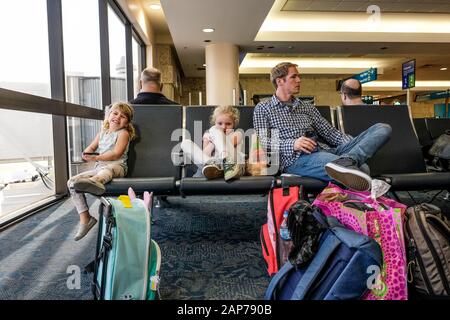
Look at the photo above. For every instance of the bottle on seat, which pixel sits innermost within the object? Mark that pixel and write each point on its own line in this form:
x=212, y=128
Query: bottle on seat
x=285, y=239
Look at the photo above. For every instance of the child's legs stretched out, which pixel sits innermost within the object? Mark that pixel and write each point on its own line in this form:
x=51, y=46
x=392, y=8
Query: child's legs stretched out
x=225, y=147
x=221, y=145
x=78, y=198
x=106, y=173
x=194, y=152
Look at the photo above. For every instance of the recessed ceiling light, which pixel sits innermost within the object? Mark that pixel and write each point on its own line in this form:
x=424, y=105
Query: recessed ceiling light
x=206, y=40
x=155, y=6
x=204, y=64
x=208, y=30
x=443, y=69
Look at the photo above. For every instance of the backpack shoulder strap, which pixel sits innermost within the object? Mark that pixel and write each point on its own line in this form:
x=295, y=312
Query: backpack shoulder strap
x=326, y=249
x=276, y=279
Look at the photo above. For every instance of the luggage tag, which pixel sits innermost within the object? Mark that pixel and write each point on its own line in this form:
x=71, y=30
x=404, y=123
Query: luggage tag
x=126, y=201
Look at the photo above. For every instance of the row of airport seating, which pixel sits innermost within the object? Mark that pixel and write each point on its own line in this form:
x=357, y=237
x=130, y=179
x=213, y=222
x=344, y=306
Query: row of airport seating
x=429, y=129
x=156, y=164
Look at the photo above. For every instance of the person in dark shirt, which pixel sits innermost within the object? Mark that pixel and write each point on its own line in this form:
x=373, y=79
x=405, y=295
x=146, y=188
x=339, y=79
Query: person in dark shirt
x=151, y=87
x=351, y=92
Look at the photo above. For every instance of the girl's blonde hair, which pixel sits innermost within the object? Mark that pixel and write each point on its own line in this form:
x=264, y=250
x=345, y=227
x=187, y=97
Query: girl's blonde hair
x=127, y=110
x=231, y=111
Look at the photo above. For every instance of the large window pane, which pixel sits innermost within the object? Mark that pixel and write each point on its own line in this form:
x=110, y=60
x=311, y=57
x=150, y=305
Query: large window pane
x=82, y=52
x=137, y=67
x=83, y=70
x=26, y=160
x=80, y=132
x=24, y=59
x=117, y=54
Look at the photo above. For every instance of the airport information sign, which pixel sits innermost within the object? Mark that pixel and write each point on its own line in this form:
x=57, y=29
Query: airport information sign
x=440, y=95
x=433, y=95
x=366, y=76
x=367, y=99
x=409, y=74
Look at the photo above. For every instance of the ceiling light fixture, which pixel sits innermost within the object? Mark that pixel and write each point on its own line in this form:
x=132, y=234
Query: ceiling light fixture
x=207, y=30
x=443, y=69
x=155, y=6
x=398, y=84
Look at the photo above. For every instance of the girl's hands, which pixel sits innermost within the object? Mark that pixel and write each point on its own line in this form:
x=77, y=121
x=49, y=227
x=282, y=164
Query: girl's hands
x=89, y=157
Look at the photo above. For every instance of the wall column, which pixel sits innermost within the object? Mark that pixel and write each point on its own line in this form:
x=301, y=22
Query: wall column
x=222, y=74
x=169, y=75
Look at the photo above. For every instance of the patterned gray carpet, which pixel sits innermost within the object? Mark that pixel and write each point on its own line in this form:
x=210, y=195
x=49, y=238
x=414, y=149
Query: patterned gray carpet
x=210, y=250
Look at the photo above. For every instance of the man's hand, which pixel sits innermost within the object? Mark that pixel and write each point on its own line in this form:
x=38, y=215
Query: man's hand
x=305, y=145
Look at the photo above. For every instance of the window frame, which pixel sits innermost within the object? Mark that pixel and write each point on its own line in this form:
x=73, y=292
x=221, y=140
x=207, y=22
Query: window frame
x=57, y=105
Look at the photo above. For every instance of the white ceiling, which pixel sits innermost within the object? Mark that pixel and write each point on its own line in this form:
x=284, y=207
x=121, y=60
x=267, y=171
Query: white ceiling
x=234, y=21
x=240, y=22
x=409, y=6
x=156, y=17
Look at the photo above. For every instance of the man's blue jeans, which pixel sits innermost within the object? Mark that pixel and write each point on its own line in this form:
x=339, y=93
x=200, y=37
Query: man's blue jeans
x=359, y=149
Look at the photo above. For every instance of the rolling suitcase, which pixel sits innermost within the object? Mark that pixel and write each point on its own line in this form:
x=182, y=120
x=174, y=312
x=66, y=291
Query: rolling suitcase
x=127, y=261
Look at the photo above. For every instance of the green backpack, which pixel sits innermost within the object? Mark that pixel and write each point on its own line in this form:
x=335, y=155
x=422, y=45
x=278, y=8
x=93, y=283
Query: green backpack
x=128, y=261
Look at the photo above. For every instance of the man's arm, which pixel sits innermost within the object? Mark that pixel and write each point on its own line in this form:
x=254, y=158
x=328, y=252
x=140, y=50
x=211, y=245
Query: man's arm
x=331, y=135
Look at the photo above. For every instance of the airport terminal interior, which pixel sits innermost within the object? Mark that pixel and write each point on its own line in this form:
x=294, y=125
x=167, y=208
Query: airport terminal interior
x=64, y=62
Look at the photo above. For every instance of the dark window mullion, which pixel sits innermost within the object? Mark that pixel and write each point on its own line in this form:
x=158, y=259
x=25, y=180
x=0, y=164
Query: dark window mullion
x=59, y=123
x=119, y=12
x=129, y=60
x=142, y=53
x=142, y=57
x=104, y=52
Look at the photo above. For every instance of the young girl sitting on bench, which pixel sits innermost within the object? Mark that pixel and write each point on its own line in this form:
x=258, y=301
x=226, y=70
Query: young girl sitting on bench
x=222, y=154
x=109, y=150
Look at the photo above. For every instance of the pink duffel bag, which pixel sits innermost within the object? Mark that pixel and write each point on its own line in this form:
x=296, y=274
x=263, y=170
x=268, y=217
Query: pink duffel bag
x=381, y=219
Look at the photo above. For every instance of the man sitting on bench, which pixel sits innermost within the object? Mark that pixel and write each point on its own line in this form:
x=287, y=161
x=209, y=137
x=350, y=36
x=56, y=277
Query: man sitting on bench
x=292, y=126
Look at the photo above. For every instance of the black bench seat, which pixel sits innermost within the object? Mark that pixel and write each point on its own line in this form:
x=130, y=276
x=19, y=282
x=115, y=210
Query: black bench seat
x=243, y=185
x=159, y=186
x=418, y=181
x=310, y=184
x=400, y=162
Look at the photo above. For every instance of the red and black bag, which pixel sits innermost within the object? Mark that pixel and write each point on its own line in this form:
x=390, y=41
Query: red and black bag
x=280, y=199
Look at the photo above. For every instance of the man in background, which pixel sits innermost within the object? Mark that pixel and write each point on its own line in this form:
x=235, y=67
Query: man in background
x=151, y=87
x=351, y=92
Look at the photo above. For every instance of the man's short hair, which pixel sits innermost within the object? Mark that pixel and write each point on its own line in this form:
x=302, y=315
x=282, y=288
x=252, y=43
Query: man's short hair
x=352, y=93
x=151, y=75
x=281, y=70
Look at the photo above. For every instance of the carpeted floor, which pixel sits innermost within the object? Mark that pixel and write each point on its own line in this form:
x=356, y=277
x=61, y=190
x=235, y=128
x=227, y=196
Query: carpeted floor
x=210, y=249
